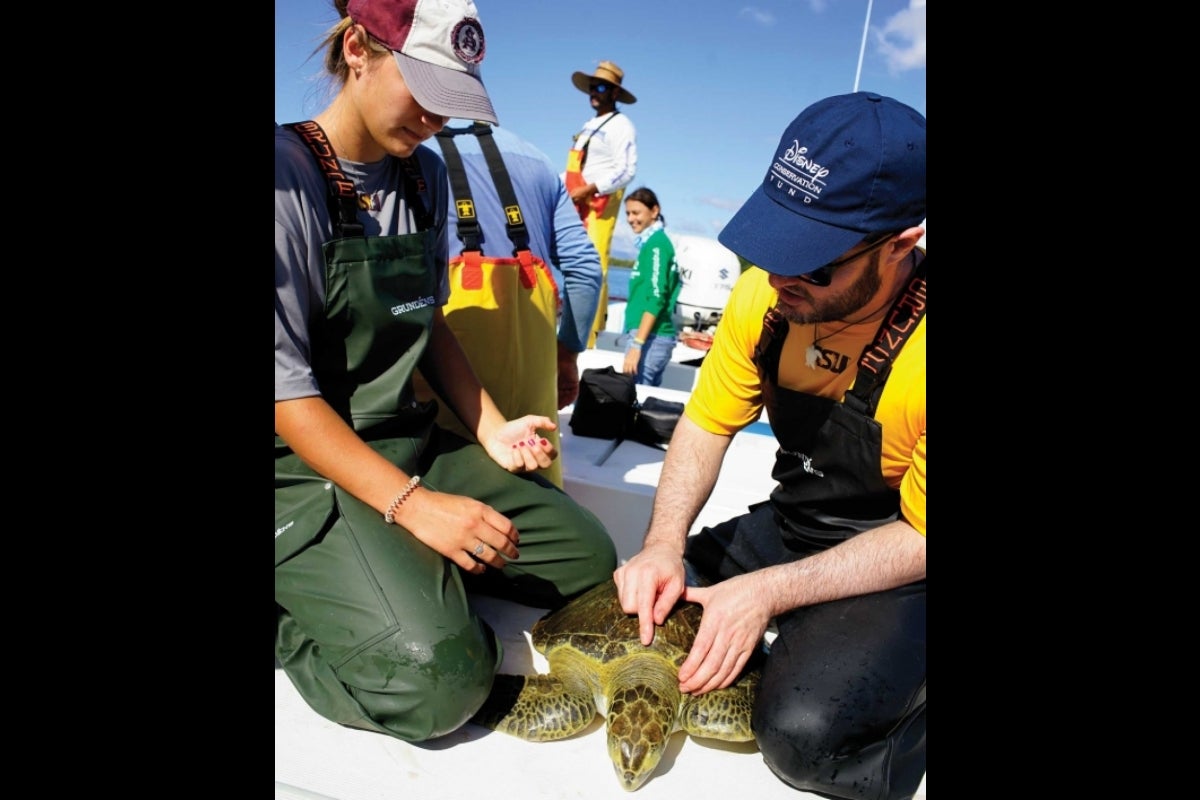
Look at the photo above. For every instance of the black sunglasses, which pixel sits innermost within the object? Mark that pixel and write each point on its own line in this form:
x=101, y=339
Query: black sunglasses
x=600, y=88
x=823, y=276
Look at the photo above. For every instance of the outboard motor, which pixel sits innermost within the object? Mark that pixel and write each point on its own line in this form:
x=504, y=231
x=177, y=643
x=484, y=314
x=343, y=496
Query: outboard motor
x=707, y=270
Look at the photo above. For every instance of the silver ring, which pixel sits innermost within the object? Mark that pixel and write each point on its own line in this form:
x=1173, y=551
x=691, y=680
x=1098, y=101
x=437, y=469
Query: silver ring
x=478, y=551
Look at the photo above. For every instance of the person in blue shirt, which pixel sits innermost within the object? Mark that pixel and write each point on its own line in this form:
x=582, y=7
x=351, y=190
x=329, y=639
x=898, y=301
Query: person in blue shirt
x=508, y=328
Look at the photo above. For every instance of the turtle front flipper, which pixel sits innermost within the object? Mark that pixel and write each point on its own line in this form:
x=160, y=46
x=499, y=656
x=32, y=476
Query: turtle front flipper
x=537, y=708
x=723, y=713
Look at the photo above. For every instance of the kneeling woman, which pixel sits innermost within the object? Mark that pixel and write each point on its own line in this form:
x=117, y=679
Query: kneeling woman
x=384, y=521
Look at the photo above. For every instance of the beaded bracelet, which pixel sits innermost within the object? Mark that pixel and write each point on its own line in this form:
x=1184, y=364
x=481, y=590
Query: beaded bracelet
x=389, y=516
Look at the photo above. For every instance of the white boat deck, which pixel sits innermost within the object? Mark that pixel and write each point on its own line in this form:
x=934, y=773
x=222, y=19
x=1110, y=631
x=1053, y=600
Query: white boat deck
x=318, y=760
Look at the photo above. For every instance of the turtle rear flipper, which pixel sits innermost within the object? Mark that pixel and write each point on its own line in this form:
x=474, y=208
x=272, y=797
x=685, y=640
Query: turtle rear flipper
x=537, y=708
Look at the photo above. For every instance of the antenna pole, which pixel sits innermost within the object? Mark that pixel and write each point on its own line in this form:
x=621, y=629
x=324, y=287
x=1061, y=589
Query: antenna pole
x=863, y=48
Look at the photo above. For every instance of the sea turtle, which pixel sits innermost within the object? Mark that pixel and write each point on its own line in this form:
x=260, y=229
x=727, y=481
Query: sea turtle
x=599, y=665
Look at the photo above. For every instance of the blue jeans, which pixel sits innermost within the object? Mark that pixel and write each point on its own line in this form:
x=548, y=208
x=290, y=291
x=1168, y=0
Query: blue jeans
x=656, y=354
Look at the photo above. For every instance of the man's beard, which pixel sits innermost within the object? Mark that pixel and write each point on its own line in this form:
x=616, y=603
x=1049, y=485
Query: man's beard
x=838, y=308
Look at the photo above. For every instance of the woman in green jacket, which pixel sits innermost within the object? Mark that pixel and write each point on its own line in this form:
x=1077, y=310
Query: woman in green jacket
x=653, y=287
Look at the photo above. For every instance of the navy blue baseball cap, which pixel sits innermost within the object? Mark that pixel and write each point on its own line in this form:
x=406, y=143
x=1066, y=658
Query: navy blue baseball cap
x=847, y=167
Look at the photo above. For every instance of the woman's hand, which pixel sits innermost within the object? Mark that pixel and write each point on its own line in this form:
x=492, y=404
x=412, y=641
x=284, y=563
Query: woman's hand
x=471, y=534
x=632, y=357
x=519, y=447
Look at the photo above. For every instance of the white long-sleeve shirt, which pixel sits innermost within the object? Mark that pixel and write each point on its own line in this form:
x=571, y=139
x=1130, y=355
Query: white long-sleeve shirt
x=611, y=151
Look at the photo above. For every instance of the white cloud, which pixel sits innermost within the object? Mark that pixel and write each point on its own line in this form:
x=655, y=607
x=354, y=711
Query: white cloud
x=901, y=40
x=757, y=15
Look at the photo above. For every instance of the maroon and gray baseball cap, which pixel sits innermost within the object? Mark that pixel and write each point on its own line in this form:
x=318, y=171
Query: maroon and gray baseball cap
x=439, y=46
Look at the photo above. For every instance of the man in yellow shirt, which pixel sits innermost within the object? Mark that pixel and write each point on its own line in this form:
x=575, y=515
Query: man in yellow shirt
x=827, y=334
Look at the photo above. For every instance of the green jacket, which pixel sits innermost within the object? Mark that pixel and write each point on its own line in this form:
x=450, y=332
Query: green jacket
x=654, y=285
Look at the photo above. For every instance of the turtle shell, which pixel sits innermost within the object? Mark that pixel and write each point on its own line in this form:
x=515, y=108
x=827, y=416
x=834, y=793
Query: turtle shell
x=594, y=625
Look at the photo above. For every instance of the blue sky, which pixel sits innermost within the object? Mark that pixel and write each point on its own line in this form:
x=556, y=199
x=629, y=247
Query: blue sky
x=716, y=81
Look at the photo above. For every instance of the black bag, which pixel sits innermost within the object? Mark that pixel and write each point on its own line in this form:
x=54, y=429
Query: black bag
x=655, y=421
x=606, y=405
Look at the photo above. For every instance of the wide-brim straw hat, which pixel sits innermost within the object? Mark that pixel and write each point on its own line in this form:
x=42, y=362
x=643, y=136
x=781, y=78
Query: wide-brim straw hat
x=607, y=72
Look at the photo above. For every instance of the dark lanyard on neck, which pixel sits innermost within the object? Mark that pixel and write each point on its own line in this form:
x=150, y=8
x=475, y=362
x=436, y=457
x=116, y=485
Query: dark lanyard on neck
x=588, y=140
x=875, y=363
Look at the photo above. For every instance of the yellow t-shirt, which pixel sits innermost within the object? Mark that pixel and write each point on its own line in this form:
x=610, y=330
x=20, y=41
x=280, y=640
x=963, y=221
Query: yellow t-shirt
x=727, y=396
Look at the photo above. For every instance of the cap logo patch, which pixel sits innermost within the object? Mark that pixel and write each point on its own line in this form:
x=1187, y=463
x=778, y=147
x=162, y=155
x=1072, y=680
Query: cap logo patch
x=467, y=40
x=795, y=181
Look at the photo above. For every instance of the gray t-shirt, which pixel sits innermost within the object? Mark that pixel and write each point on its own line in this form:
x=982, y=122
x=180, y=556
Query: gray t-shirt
x=303, y=225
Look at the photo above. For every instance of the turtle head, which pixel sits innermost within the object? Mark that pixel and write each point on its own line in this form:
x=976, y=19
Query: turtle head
x=640, y=723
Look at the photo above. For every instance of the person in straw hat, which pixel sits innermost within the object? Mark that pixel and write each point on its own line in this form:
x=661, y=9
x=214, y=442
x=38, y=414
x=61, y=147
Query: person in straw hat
x=601, y=163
